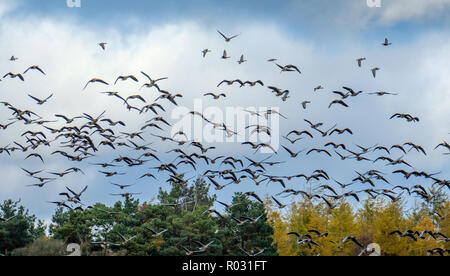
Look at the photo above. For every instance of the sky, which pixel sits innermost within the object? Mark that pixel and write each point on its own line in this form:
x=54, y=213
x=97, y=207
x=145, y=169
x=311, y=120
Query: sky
x=165, y=39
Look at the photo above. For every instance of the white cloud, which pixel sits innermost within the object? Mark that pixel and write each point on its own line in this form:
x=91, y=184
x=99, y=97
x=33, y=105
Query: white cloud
x=8, y=6
x=403, y=10
x=69, y=54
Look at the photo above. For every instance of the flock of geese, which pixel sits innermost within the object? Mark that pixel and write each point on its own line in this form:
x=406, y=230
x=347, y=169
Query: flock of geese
x=84, y=137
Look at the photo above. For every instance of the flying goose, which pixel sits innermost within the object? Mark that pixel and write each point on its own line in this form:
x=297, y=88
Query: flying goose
x=123, y=78
x=102, y=45
x=360, y=60
x=205, y=51
x=6, y=220
x=252, y=254
x=374, y=71
x=94, y=80
x=203, y=247
x=288, y=68
x=382, y=93
x=318, y=88
x=241, y=60
x=12, y=75
x=39, y=101
x=34, y=67
x=227, y=39
x=156, y=234
x=216, y=97
x=386, y=42
x=341, y=102
x=304, y=103
x=224, y=55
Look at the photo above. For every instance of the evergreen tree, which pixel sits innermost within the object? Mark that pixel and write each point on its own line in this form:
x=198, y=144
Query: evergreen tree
x=20, y=230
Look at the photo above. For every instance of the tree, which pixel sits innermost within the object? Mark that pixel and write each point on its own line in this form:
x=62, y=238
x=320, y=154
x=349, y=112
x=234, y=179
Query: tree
x=251, y=236
x=21, y=229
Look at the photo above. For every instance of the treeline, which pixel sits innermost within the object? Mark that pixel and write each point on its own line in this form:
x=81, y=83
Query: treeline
x=184, y=222
x=373, y=222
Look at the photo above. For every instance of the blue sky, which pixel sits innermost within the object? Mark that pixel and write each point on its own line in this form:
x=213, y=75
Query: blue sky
x=164, y=38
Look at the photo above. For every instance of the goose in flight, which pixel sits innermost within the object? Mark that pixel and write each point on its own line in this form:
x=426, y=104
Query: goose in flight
x=5, y=126
x=318, y=233
x=39, y=101
x=325, y=133
x=444, y=145
x=255, y=196
x=12, y=76
x=34, y=67
x=313, y=126
x=6, y=220
x=224, y=55
x=304, y=239
x=40, y=185
x=386, y=42
x=231, y=82
x=342, y=94
x=216, y=97
x=293, y=154
x=102, y=45
x=353, y=239
x=352, y=92
x=374, y=71
x=280, y=205
x=360, y=60
x=227, y=39
x=338, y=101
x=188, y=252
x=13, y=58
x=68, y=120
x=217, y=185
x=111, y=174
x=35, y=155
x=341, y=131
x=318, y=151
x=94, y=80
x=123, y=78
x=304, y=103
x=408, y=117
x=77, y=196
x=288, y=68
x=252, y=220
x=31, y=173
x=253, y=83
x=204, y=52
x=318, y=88
x=152, y=82
x=241, y=60
x=382, y=93
x=156, y=234
x=203, y=247
x=251, y=254
x=408, y=233
x=439, y=251
x=121, y=186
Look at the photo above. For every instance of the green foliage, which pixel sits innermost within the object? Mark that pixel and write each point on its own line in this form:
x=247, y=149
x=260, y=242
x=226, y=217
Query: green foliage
x=182, y=213
x=21, y=230
x=252, y=237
